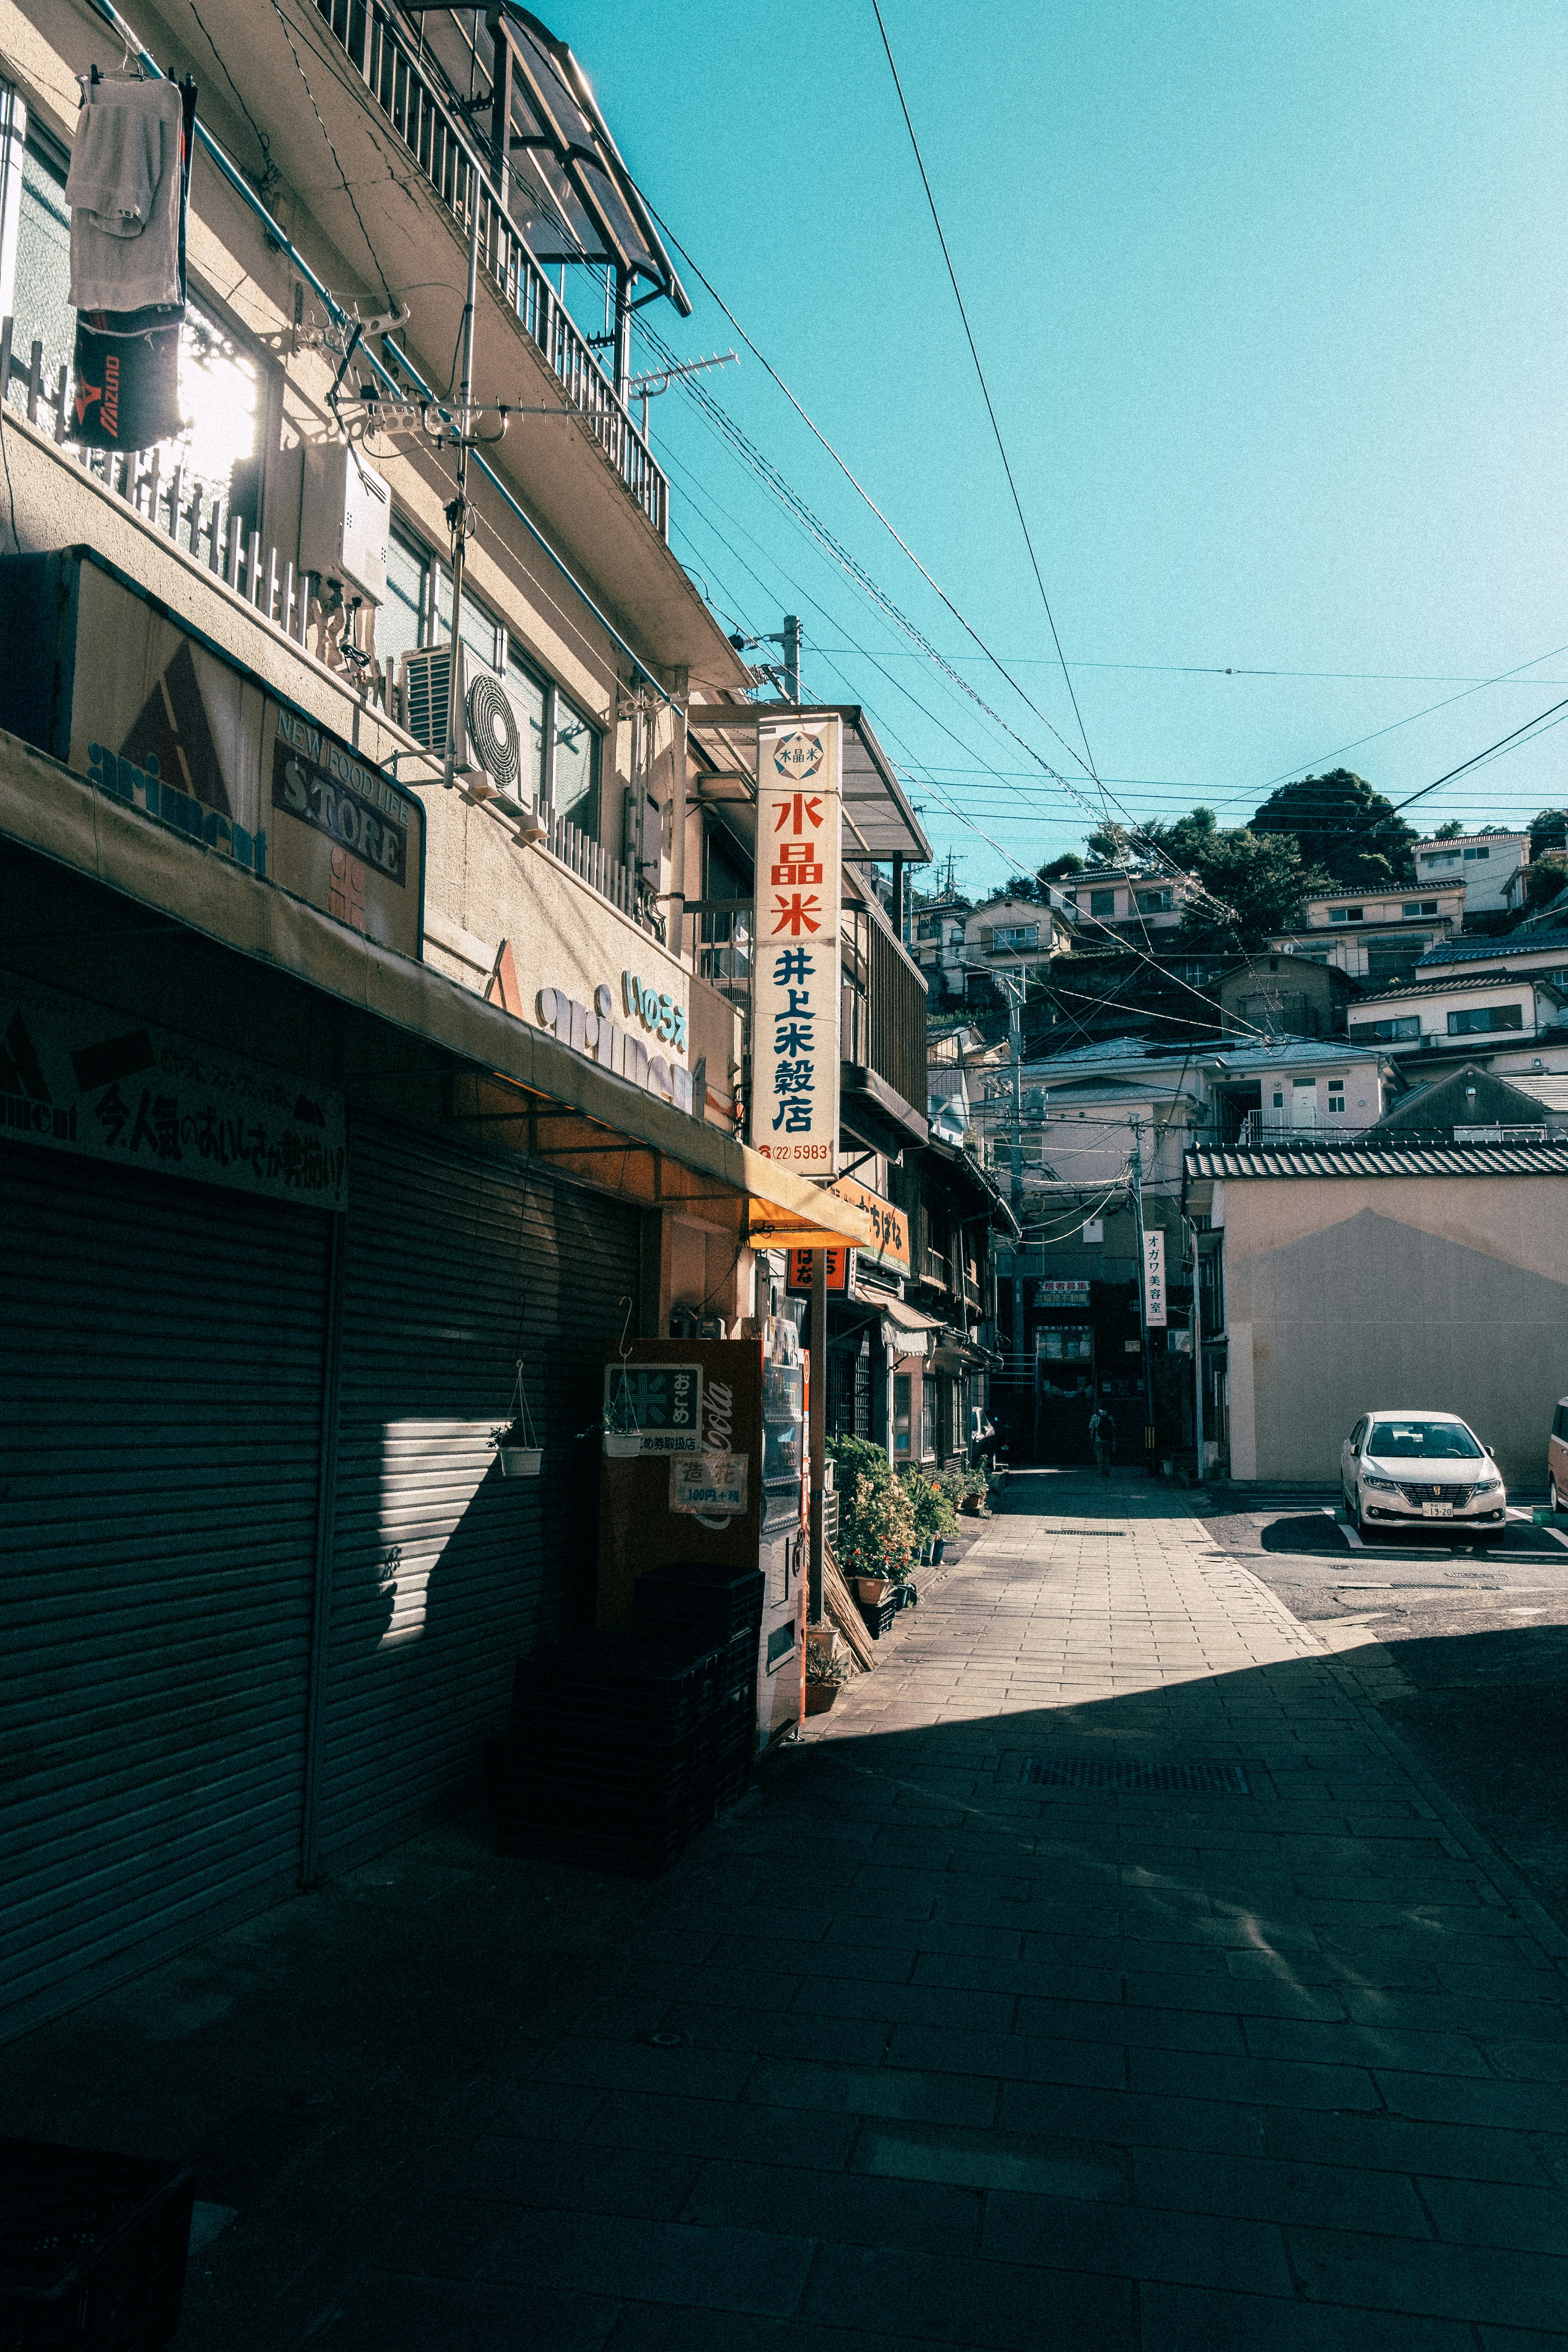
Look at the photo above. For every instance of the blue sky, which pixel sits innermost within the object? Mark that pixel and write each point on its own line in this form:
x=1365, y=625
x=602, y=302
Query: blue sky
x=1270, y=304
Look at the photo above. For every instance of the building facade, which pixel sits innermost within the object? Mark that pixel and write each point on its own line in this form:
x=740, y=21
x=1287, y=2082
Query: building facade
x=353, y=1097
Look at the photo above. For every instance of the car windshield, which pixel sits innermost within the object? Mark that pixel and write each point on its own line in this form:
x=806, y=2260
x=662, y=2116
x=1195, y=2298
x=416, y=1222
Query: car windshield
x=1427, y=1440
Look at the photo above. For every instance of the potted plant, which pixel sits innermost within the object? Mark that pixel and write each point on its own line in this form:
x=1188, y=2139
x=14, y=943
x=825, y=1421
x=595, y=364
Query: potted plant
x=622, y=1435
x=876, y=1519
x=521, y=1453
x=826, y=1676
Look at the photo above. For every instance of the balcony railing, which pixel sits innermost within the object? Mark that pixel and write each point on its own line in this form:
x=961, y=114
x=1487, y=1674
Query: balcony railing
x=404, y=91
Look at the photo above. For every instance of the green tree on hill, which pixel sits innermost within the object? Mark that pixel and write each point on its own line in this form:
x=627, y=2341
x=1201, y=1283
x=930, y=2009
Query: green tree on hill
x=1344, y=827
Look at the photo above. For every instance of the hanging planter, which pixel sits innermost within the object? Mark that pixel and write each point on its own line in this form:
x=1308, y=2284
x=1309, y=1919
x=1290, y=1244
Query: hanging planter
x=522, y=1456
x=622, y=1434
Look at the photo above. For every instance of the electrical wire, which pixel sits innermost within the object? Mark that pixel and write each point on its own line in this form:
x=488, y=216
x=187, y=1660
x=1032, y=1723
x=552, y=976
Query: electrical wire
x=270, y=173
x=986, y=389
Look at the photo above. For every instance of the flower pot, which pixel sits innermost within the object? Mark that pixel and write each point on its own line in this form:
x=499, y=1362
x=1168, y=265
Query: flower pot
x=521, y=1460
x=873, y=1590
x=970, y=1506
x=622, y=1445
x=819, y=1696
x=905, y=1597
x=936, y=1550
x=1167, y=1464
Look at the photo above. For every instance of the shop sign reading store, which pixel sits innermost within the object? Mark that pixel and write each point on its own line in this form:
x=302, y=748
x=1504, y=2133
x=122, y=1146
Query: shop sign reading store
x=81, y=1079
x=795, y=969
x=169, y=725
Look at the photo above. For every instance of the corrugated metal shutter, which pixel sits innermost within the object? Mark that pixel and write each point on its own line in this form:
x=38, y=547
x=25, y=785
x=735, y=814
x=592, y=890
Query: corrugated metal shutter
x=162, y=1403
x=443, y=1571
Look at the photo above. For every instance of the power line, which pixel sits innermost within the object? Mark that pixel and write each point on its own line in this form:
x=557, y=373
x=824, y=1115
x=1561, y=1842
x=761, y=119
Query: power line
x=984, y=387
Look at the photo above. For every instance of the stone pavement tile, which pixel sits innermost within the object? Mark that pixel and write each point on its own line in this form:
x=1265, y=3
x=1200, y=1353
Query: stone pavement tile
x=1344, y=2045
x=677, y=2327
x=1504, y=2107
x=1042, y=1978
x=894, y=1964
x=917, y=1938
x=1280, y=1995
x=779, y=2033
x=1136, y=2028
x=993, y=2159
x=872, y=1997
x=978, y=2305
x=1136, y=2241
x=885, y=2091
x=1007, y=2057
x=1203, y=2320
x=384, y=2314
x=542, y=2110
x=740, y=2270
x=589, y=2175
x=1434, y=2280
x=712, y=2128
x=1327, y=2196
x=1268, y=2082
x=1489, y=2019
x=866, y=2210
x=633, y=2066
x=1529, y=2062
x=1476, y=2213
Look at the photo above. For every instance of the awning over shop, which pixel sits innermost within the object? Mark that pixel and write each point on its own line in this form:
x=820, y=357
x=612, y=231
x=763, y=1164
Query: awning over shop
x=878, y=822
x=906, y=1330
x=513, y=1083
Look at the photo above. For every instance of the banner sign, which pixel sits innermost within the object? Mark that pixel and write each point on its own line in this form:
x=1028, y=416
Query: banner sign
x=890, y=1226
x=1061, y=1294
x=92, y=1083
x=1154, y=1279
x=664, y=1400
x=794, y=968
x=801, y=1277
x=169, y=727
x=707, y=1484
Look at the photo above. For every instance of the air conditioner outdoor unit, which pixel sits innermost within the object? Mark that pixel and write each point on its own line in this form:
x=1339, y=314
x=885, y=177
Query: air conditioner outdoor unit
x=487, y=757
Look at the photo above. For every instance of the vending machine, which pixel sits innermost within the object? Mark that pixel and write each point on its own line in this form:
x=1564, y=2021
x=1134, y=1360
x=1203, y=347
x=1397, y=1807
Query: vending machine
x=704, y=1459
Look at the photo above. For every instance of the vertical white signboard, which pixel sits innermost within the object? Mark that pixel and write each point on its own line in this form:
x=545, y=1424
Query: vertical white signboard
x=1154, y=1279
x=795, y=975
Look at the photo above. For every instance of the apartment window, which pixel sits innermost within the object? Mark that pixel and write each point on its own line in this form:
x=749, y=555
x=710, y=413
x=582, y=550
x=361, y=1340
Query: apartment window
x=1336, y=1097
x=541, y=707
x=929, y=928
x=1021, y=935
x=1386, y=1033
x=1476, y=853
x=1419, y=907
x=1154, y=902
x=1441, y=856
x=404, y=618
x=901, y=1415
x=1347, y=914
x=1477, y=1019
x=1102, y=902
x=928, y=1419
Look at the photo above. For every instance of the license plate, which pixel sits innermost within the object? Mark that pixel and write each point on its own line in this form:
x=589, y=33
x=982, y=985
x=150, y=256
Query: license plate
x=1437, y=1510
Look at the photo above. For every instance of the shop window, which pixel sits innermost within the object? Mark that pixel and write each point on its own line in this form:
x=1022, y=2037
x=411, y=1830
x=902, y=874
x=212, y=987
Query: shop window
x=928, y=1419
x=901, y=1416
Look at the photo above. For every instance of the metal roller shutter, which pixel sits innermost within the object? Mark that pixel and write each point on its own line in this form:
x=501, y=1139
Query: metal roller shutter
x=443, y=1572
x=161, y=1409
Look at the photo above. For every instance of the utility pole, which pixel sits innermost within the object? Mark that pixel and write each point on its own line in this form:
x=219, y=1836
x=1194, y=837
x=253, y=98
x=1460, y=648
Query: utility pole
x=1143, y=1301
x=784, y=675
x=1197, y=1322
x=818, y=1430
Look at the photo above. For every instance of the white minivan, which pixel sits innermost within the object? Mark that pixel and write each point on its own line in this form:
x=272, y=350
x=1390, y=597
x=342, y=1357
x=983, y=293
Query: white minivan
x=1408, y=1469
x=1557, y=1459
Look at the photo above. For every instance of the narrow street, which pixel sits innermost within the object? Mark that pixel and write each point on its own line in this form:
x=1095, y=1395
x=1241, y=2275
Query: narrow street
x=930, y=2043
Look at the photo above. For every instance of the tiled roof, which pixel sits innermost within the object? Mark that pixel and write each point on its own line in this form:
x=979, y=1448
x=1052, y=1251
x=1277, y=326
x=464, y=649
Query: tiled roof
x=1518, y=943
x=1379, y=890
x=1436, y=986
x=1367, y=1158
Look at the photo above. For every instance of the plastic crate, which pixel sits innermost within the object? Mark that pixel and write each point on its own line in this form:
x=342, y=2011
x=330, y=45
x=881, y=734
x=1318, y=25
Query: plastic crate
x=878, y=1615
x=92, y=2249
x=716, y=1602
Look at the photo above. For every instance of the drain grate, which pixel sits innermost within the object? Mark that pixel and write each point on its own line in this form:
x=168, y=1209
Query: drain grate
x=1086, y=1772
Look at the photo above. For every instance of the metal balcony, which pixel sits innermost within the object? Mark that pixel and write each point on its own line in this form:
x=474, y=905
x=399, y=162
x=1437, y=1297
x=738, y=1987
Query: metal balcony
x=405, y=92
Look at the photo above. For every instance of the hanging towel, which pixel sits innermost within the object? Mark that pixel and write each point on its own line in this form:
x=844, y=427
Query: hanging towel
x=123, y=188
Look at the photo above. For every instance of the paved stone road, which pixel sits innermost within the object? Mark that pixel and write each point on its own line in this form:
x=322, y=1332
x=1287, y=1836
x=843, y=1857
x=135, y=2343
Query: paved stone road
x=914, y=2050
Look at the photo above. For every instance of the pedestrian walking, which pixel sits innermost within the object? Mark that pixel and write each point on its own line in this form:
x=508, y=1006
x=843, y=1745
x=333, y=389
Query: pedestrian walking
x=1102, y=1436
